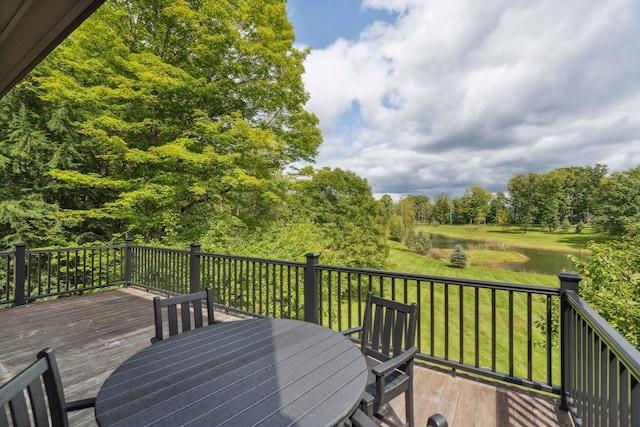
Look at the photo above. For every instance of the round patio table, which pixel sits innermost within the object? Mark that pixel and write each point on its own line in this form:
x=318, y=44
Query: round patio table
x=267, y=372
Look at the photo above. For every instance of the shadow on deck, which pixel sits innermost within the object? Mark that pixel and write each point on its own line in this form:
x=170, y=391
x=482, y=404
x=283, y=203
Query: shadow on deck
x=94, y=333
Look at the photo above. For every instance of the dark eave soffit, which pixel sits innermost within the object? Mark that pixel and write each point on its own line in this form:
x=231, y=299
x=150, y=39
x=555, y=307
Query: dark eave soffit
x=30, y=29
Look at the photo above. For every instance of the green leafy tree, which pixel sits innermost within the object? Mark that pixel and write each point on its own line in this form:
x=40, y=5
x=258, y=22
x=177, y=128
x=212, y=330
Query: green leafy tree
x=611, y=283
x=474, y=205
x=347, y=215
x=422, y=242
x=524, y=191
x=161, y=119
x=618, y=207
x=442, y=209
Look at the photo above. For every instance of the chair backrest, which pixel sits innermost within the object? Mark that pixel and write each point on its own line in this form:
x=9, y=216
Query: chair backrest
x=25, y=401
x=388, y=328
x=190, y=312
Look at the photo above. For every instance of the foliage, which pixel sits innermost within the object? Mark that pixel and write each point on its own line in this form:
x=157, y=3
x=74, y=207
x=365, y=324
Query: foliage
x=458, y=257
x=611, y=283
x=579, y=227
x=566, y=225
x=342, y=206
x=442, y=209
x=473, y=206
x=618, y=202
x=159, y=119
x=422, y=243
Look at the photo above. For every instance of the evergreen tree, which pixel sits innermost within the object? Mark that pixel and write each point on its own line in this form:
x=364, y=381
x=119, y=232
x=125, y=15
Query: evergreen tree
x=458, y=257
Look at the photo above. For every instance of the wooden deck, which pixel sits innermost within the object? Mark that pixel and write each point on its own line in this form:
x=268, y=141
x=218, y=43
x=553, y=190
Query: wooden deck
x=93, y=334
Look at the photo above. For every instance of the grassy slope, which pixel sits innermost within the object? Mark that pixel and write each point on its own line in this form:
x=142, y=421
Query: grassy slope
x=534, y=238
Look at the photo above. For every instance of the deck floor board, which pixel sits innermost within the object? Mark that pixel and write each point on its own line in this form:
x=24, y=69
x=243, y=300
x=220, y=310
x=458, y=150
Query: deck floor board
x=94, y=333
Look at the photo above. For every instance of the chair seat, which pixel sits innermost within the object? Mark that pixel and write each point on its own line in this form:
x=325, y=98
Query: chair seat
x=396, y=382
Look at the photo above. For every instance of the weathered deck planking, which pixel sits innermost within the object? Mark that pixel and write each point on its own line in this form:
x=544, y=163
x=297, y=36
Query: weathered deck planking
x=93, y=334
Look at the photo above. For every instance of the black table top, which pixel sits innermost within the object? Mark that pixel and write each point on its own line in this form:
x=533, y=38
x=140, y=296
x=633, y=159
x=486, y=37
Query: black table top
x=269, y=372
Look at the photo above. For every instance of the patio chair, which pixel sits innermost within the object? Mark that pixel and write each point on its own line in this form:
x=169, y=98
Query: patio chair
x=23, y=401
x=386, y=338
x=190, y=312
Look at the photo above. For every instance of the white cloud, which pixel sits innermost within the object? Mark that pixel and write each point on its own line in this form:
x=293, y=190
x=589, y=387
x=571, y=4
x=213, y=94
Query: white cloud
x=459, y=92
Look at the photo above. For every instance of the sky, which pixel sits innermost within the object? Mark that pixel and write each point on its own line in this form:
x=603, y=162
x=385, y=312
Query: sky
x=436, y=96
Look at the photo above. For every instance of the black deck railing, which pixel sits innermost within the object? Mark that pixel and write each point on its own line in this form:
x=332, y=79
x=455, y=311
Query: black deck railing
x=506, y=332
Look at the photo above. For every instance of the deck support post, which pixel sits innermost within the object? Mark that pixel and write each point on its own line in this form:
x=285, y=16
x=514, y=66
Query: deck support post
x=194, y=269
x=569, y=282
x=128, y=260
x=19, y=274
x=311, y=289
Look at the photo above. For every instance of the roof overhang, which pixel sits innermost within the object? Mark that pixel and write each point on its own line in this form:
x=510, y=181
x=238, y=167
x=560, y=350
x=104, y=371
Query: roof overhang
x=30, y=29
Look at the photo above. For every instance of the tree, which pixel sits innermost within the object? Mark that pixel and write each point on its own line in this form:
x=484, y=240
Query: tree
x=347, y=215
x=422, y=207
x=406, y=210
x=442, y=209
x=499, y=212
x=524, y=191
x=161, y=118
x=474, y=205
x=422, y=242
x=458, y=257
x=611, y=283
x=618, y=206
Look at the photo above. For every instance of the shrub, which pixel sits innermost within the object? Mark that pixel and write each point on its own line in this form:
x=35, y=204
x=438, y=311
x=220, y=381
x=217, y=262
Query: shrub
x=458, y=257
x=422, y=242
x=566, y=225
x=579, y=227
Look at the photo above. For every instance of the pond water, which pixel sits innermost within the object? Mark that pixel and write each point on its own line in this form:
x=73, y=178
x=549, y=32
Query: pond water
x=540, y=261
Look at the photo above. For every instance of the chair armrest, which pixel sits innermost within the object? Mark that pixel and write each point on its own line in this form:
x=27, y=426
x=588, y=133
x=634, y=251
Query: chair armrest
x=351, y=331
x=81, y=404
x=391, y=364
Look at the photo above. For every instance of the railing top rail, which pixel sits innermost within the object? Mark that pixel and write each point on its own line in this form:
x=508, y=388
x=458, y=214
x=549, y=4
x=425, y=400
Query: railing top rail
x=627, y=353
x=252, y=259
x=79, y=248
x=3, y=254
x=544, y=290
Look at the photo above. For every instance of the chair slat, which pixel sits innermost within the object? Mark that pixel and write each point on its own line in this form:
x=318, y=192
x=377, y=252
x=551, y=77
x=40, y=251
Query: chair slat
x=190, y=316
x=38, y=404
x=389, y=318
x=19, y=411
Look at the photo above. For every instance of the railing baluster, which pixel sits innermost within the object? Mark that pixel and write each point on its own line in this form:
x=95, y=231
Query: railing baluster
x=446, y=321
x=476, y=311
x=529, y=339
x=510, y=333
x=461, y=323
x=493, y=330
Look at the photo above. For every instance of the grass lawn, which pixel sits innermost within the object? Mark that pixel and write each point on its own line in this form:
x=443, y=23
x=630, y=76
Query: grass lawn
x=535, y=237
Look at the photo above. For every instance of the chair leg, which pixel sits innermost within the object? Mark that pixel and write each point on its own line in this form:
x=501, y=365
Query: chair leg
x=408, y=398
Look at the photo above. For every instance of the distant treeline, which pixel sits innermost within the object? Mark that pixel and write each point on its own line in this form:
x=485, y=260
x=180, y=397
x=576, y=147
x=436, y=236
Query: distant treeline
x=565, y=197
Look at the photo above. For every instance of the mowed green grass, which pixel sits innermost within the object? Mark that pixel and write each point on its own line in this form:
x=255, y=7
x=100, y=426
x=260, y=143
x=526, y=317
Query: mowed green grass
x=454, y=336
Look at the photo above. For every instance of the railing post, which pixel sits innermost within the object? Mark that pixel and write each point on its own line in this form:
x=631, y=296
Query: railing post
x=311, y=302
x=568, y=282
x=194, y=268
x=128, y=260
x=19, y=273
